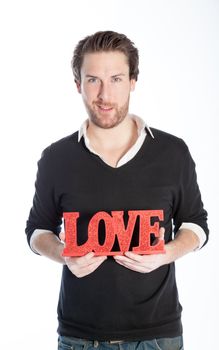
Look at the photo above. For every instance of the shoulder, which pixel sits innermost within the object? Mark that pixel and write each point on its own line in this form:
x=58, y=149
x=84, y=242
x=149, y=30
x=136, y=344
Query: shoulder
x=65, y=142
x=169, y=142
x=60, y=150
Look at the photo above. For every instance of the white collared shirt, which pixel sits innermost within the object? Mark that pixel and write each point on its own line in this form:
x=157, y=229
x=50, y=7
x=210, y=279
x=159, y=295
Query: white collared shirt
x=132, y=151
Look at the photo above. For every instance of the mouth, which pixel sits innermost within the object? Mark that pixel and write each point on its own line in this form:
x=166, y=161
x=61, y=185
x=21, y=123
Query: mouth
x=104, y=108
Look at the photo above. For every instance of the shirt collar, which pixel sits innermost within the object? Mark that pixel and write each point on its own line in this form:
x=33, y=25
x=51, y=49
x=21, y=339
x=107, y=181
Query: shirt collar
x=141, y=125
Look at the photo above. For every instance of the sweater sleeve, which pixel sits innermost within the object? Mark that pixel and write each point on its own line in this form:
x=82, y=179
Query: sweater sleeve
x=188, y=207
x=45, y=213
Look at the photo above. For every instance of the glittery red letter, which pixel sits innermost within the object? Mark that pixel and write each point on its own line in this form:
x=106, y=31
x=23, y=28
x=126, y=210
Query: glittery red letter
x=109, y=233
x=124, y=235
x=146, y=229
x=71, y=247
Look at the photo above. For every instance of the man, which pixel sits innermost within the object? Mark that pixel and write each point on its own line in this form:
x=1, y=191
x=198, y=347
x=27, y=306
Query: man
x=116, y=163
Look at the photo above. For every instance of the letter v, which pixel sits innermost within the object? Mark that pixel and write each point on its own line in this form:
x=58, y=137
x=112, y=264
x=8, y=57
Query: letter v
x=124, y=235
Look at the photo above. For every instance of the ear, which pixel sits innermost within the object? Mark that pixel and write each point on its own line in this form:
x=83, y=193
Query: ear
x=78, y=85
x=133, y=82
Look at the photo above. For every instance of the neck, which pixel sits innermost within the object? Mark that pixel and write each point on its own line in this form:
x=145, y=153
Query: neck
x=114, y=138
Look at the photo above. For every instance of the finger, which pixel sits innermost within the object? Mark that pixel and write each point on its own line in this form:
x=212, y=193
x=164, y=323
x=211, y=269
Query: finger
x=160, y=237
x=161, y=233
x=96, y=264
x=62, y=236
x=87, y=257
x=145, y=261
x=133, y=267
x=133, y=256
x=83, y=260
x=86, y=270
x=90, y=259
x=79, y=260
x=129, y=256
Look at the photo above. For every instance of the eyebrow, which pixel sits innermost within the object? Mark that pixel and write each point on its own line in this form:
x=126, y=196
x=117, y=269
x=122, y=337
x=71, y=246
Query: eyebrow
x=90, y=76
x=113, y=76
x=117, y=75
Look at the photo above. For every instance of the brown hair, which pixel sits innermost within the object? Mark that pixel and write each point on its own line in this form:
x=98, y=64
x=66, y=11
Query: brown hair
x=105, y=41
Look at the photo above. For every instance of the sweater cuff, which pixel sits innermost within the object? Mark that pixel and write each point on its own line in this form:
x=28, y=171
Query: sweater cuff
x=198, y=230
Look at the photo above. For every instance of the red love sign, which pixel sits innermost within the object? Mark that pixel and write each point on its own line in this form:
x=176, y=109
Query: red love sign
x=114, y=226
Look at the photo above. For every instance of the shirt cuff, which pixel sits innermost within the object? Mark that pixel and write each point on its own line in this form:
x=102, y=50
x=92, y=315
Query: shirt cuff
x=198, y=230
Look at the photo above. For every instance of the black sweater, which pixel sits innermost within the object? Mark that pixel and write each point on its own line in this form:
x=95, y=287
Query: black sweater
x=114, y=302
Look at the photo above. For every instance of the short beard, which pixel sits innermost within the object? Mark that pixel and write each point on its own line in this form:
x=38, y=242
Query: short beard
x=116, y=119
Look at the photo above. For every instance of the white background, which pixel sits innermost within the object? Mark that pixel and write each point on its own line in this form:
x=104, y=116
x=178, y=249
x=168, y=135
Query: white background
x=178, y=91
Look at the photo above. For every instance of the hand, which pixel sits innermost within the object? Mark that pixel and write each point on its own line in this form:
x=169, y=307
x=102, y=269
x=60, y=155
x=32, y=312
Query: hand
x=83, y=265
x=143, y=263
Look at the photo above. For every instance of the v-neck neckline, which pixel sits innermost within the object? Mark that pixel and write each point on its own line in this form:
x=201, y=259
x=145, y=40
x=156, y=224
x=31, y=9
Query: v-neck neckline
x=129, y=163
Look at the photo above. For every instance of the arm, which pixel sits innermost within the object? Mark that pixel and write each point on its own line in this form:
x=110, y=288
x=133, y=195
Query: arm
x=187, y=211
x=45, y=219
x=49, y=245
x=185, y=242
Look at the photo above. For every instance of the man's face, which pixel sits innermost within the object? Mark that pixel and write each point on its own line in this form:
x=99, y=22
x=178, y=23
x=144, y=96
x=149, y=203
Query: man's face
x=105, y=87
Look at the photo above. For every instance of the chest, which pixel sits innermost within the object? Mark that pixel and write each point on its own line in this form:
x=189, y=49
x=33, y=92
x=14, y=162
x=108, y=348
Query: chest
x=112, y=158
x=102, y=187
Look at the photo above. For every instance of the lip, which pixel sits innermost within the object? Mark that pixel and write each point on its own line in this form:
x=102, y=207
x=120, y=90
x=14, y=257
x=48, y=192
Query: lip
x=105, y=109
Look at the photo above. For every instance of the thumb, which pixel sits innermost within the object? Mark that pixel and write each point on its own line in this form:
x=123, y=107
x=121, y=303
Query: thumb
x=161, y=233
x=62, y=236
x=160, y=237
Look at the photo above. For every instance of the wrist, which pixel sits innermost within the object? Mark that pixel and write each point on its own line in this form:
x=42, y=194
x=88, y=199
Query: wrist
x=170, y=255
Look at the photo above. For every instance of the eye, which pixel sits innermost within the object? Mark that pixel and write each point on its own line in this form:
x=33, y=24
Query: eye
x=116, y=79
x=92, y=80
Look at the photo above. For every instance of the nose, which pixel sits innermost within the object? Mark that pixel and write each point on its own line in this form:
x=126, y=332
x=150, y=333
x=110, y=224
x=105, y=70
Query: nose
x=104, y=92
